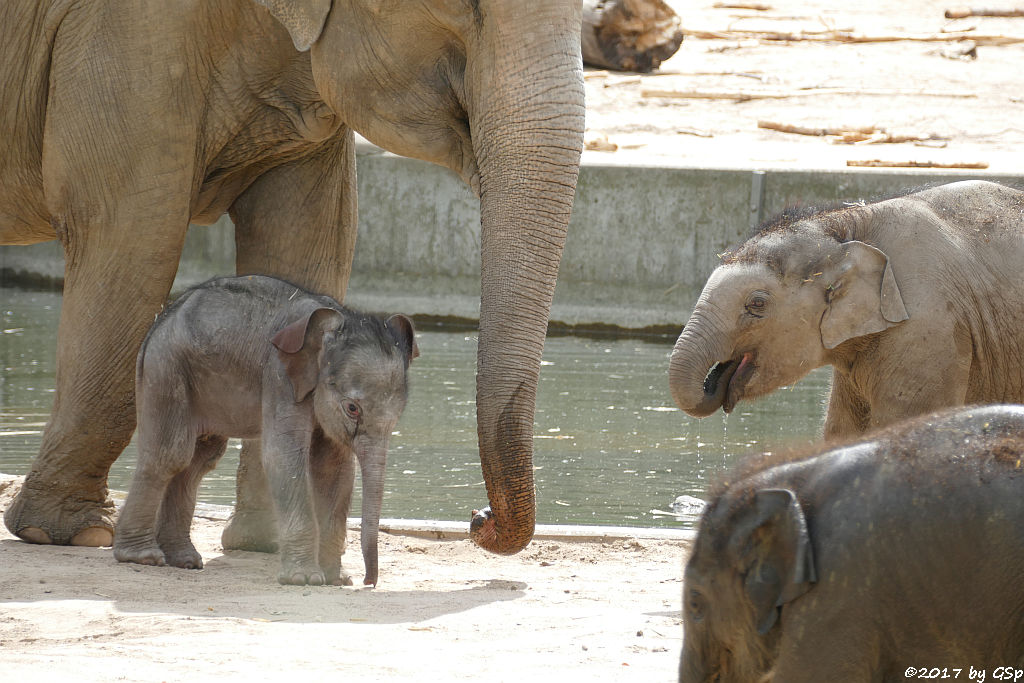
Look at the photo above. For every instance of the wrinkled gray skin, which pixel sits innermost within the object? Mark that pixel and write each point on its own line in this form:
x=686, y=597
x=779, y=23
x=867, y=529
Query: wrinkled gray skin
x=256, y=357
x=122, y=122
x=917, y=303
x=852, y=565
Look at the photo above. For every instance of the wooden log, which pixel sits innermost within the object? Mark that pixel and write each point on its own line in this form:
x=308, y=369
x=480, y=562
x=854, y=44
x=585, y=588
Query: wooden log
x=804, y=130
x=629, y=35
x=964, y=12
x=755, y=6
x=830, y=36
x=880, y=163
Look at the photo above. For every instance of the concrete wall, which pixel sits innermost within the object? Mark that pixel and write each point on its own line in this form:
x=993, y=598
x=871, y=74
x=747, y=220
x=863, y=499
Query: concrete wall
x=641, y=243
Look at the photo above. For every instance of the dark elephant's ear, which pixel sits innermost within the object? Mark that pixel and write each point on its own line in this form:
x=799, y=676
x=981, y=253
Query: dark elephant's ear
x=304, y=19
x=405, y=335
x=772, y=545
x=299, y=345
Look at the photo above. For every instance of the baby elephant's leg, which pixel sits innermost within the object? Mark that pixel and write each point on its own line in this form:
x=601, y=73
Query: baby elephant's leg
x=165, y=449
x=179, y=505
x=333, y=476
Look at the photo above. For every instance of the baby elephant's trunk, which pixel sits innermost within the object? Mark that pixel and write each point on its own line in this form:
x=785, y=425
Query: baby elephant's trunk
x=372, y=458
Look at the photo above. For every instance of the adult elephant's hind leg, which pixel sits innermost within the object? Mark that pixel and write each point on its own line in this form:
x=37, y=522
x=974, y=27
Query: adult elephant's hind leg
x=115, y=283
x=296, y=222
x=252, y=525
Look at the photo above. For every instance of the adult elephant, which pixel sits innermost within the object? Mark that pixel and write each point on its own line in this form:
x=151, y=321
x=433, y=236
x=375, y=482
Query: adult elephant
x=123, y=122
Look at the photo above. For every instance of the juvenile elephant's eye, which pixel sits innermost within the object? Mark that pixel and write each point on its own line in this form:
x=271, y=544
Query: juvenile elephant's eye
x=352, y=410
x=756, y=306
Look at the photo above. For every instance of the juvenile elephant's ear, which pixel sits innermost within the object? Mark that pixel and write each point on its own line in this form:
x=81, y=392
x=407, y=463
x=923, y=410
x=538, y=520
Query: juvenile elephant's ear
x=304, y=19
x=404, y=333
x=771, y=544
x=863, y=297
x=299, y=345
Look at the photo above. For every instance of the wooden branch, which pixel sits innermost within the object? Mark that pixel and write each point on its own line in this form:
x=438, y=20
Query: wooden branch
x=865, y=135
x=964, y=12
x=801, y=130
x=746, y=95
x=846, y=37
x=756, y=6
x=879, y=163
x=629, y=35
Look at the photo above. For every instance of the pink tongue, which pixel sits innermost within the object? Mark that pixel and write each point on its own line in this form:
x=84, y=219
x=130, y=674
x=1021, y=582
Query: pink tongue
x=743, y=363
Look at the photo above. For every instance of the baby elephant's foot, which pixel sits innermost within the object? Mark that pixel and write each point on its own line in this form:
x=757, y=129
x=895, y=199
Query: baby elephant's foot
x=146, y=554
x=186, y=557
x=300, y=574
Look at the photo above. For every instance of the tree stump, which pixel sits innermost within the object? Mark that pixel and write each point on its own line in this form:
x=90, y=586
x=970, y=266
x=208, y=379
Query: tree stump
x=629, y=35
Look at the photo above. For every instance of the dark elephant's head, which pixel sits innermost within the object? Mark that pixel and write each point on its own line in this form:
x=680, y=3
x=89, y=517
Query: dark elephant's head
x=775, y=311
x=752, y=556
x=492, y=89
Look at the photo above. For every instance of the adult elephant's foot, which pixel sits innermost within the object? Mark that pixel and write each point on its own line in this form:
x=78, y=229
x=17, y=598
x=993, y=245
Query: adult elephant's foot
x=253, y=530
x=46, y=515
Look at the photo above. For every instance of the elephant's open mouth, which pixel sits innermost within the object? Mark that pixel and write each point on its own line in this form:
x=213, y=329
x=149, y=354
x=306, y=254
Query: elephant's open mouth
x=726, y=381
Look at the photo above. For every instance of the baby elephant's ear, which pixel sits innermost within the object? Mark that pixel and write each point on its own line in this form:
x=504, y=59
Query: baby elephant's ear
x=404, y=333
x=299, y=344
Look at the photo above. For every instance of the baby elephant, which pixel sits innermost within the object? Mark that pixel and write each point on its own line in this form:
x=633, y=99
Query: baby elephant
x=898, y=553
x=249, y=357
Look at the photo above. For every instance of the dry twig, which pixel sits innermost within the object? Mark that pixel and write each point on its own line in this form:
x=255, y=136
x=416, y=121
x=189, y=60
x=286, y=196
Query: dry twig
x=745, y=95
x=849, y=37
x=964, y=12
x=756, y=6
x=881, y=163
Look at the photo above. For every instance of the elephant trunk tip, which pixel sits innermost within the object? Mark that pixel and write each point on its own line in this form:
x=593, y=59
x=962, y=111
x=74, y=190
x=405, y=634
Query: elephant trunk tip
x=486, y=533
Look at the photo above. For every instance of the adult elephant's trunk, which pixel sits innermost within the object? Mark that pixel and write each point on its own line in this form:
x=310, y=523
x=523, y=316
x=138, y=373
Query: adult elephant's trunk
x=526, y=114
x=701, y=366
x=372, y=458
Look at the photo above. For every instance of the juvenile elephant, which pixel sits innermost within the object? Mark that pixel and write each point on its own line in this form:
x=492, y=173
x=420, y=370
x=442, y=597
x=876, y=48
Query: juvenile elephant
x=122, y=122
x=256, y=357
x=904, y=551
x=917, y=303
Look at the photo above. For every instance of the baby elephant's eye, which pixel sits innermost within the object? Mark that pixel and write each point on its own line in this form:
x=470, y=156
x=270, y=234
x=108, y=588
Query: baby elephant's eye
x=352, y=410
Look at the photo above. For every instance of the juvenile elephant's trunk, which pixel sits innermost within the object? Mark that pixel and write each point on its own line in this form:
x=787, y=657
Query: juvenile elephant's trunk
x=700, y=368
x=527, y=122
x=372, y=460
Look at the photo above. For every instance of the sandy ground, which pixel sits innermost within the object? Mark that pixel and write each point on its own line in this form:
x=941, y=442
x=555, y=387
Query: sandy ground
x=559, y=610
x=444, y=611
x=974, y=107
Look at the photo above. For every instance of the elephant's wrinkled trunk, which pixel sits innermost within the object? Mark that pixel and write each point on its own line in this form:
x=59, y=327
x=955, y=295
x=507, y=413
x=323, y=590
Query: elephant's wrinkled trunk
x=372, y=459
x=527, y=137
x=700, y=369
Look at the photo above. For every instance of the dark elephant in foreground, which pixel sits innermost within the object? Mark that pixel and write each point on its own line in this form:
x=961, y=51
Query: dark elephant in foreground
x=916, y=302
x=902, y=551
x=122, y=122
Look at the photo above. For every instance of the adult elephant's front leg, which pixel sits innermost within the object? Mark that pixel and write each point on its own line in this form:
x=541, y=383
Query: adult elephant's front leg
x=296, y=222
x=117, y=276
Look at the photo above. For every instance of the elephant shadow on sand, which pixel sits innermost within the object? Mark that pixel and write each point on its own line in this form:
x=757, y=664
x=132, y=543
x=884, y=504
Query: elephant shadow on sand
x=237, y=584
